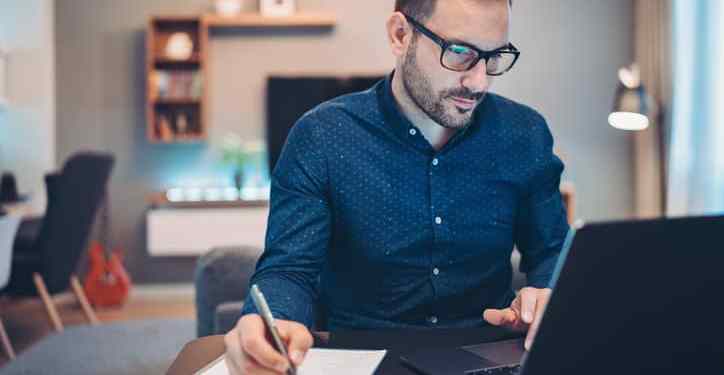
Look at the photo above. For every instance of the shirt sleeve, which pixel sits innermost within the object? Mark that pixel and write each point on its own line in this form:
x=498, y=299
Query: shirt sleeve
x=298, y=228
x=542, y=224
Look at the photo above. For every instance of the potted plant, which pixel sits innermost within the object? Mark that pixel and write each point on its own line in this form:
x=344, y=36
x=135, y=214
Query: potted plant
x=238, y=154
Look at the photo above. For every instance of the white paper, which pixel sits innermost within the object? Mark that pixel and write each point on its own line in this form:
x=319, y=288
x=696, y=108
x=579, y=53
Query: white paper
x=322, y=362
x=217, y=367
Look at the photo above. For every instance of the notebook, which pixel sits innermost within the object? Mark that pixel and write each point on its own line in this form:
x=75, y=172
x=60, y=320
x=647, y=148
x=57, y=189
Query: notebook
x=321, y=362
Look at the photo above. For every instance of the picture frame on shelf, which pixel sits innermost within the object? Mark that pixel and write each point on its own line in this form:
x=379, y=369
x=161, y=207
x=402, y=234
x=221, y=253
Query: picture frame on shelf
x=277, y=8
x=3, y=79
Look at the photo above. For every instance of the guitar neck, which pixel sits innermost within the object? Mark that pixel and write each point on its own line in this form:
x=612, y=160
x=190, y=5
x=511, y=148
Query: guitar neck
x=106, y=224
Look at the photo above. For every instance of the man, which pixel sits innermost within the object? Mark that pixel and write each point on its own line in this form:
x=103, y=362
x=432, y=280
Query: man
x=400, y=206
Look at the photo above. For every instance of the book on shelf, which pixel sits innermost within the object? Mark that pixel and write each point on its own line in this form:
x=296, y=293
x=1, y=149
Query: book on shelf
x=176, y=125
x=179, y=85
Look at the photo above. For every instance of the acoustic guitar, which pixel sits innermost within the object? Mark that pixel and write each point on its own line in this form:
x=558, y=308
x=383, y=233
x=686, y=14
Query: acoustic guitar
x=107, y=283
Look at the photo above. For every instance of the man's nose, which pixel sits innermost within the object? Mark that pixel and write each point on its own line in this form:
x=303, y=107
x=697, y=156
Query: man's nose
x=476, y=79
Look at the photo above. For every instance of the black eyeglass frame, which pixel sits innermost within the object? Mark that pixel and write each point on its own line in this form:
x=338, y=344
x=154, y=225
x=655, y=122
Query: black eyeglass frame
x=482, y=55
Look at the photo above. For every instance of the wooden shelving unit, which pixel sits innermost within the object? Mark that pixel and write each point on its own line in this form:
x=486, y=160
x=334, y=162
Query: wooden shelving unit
x=177, y=91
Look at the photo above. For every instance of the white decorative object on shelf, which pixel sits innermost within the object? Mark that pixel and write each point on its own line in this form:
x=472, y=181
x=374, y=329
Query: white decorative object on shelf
x=277, y=8
x=3, y=79
x=179, y=46
x=228, y=8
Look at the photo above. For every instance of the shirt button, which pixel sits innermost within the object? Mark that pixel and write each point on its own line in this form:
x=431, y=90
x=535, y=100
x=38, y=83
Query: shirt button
x=435, y=162
x=435, y=271
x=438, y=220
x=432, y=319
x=413, y=131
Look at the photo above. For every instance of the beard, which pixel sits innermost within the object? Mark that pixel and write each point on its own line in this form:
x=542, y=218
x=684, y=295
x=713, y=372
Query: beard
x=432, y=103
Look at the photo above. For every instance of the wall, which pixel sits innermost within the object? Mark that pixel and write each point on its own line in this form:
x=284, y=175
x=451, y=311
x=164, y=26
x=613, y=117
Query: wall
x=27, y=124
x=571, y=51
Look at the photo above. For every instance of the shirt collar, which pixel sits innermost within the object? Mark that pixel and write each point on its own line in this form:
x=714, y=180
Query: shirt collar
x=405, y=129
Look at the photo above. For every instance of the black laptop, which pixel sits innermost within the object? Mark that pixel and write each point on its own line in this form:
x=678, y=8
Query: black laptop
x=636, y=297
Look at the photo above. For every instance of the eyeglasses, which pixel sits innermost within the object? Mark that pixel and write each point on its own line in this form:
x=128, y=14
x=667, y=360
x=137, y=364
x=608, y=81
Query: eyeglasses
x=461, y=57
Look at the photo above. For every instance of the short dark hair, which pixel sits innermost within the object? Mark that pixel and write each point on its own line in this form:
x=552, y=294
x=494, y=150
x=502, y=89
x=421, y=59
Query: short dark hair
x=420, y=10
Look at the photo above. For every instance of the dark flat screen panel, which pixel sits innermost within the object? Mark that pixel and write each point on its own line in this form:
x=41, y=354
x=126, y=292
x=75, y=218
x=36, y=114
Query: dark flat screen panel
x=288, y=98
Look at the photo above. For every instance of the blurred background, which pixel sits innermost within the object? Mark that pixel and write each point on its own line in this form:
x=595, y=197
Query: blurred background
x=188, y=102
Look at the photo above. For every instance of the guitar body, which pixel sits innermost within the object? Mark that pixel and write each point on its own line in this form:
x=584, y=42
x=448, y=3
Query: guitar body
x=107, y=282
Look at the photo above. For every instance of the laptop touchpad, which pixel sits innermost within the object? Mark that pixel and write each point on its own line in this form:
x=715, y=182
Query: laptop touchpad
x=502, y=352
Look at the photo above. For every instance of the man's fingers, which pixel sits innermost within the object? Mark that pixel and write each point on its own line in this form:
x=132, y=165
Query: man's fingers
x=298, y=339
x=515, y=305
x=252, y=367
x=237, y=361
x=493, y=316
x=254, y=343
x=500, y=317
x=543, y=297
x=233, y=357
x=528, y=299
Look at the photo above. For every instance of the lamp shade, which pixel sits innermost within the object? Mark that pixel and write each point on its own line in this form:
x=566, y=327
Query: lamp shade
x=632, y=105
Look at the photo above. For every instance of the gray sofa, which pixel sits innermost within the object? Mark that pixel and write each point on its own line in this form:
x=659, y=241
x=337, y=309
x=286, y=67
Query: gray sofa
x=222, y=281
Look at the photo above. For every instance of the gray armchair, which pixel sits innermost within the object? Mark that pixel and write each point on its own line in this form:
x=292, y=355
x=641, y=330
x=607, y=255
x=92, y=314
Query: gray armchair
x=222, y=281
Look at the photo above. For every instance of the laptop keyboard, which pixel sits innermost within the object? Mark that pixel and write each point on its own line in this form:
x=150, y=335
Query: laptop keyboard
x=505, y=370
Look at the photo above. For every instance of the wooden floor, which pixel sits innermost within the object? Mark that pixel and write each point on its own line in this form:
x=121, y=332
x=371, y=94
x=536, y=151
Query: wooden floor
x=27, y=322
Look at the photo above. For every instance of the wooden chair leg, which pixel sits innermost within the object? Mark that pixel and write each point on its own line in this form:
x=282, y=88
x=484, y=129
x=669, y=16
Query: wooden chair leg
x=6, y=341
x=80, y=294
x=48, y=302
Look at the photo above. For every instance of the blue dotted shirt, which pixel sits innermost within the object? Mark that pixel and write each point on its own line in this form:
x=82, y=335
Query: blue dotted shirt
x=370, y=227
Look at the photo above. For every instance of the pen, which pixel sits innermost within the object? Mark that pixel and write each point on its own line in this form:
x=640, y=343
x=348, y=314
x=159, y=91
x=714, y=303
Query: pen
x=271, y=327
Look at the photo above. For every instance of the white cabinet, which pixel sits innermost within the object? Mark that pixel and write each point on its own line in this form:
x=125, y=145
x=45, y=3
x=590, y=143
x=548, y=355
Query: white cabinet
x=194, y=231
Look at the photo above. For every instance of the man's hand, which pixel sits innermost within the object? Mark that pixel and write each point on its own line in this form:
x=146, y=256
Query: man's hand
x=249, y=350
x=524, y=314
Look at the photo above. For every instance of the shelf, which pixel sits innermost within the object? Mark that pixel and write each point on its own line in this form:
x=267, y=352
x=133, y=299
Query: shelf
x=177, y=101
x=159, y=200
x=186, y=139
x=176, y=65
x=165, y=63
x=166, y=60
x=258, y=20
x=176, y=19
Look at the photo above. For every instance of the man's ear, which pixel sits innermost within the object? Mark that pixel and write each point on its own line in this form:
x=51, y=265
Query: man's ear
x=399, y=33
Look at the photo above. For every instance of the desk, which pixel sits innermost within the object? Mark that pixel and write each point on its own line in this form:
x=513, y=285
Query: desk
x=196, y=354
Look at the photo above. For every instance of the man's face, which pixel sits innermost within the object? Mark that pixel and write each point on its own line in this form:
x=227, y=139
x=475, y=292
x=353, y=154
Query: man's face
x=448, y=97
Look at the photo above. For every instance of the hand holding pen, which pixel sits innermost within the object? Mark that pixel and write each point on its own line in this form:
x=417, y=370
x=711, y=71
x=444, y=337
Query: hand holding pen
x=251, y=347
